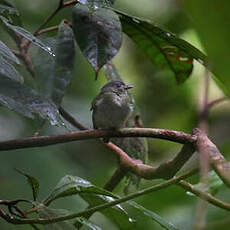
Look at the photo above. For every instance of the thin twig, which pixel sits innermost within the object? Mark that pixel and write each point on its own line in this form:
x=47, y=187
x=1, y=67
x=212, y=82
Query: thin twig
x=61, y=5
x=204, y=195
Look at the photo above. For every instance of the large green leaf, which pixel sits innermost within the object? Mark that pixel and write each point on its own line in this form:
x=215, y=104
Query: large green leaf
x=26, y=34
x=53, y=75
x=64, y=62
x=93, y=195
x=26, y=101
x=33, y=183
x=213, y=29
x=163, y=48
x=73, y=185
x=98, y=34
x=45, y=212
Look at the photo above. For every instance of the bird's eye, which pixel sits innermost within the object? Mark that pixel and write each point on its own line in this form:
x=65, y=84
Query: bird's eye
x=118, y=86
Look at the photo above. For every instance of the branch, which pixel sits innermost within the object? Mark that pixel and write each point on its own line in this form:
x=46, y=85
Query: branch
x=217, y=161
x=61, y=5
x=204, y=195
x=29, y=142
x=89, y=211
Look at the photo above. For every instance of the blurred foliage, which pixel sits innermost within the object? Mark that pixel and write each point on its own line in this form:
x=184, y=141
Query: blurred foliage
x=163, y=104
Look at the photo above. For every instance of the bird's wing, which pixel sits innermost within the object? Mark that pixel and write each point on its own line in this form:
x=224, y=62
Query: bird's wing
x=95, y=102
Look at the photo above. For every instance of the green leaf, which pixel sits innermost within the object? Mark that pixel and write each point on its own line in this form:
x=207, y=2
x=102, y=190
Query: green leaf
x=64, y=61
x=98, y=34
x=8, y=70
x=93, y=195
x=163, y=48
x=45, y=212
x=26, y=101
x=88, y=224
x=44, y=68
x=26, y=34
x=7, y=53
x=115, y=213
x=163, y=223
x=53, y=75
x=72, y=185
x=33, y=183
x=213, y=30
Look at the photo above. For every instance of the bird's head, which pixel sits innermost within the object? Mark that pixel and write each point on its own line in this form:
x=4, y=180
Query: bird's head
x=117, y=87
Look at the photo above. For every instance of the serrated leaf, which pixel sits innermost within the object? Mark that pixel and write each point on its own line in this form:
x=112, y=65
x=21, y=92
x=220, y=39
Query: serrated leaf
x=33, y=183
x=7, y=53
x=45, y=212
x=73, y=185
x=26, y=34
x=8, y=70
x=163, y=48
x=115, y=213
x=88, y=224
x=162, y=222
x=26, y=101
x=98, y=34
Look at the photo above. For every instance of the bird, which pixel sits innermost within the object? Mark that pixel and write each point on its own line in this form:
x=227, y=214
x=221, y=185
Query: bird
x=112, y=107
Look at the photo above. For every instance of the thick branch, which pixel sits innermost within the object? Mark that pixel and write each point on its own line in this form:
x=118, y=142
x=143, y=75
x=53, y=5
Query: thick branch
x=217, y=161
x=30, y=142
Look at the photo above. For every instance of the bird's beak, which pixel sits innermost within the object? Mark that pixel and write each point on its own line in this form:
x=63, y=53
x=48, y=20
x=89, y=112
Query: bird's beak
x=128, y=87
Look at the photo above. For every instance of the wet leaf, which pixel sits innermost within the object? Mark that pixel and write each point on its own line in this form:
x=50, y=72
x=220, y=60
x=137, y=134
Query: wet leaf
x=116, y=213
x=26, y=101
x=53, y=75
x=7, y=53
x=163, y=48
x=64, y=62
x=8, y=70
x=33, y=183
x=46, y=213
x=26, y=34
x=73, y=185
x=98, y=34
x=88, y=224
x=155, y=217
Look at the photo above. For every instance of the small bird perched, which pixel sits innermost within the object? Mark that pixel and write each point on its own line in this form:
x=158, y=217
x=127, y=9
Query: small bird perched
x=112, y=106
